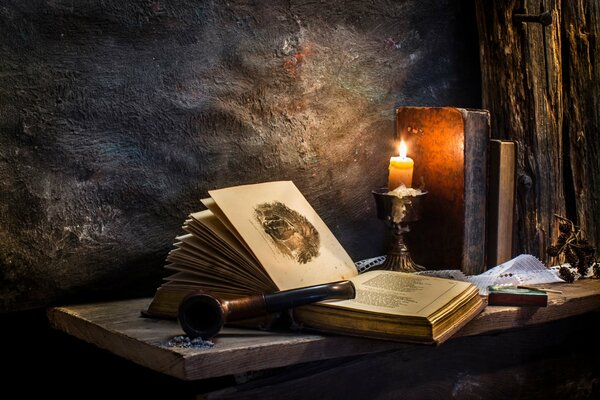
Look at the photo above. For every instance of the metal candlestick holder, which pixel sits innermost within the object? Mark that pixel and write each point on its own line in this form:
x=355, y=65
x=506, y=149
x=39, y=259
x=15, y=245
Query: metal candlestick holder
x=398, y=213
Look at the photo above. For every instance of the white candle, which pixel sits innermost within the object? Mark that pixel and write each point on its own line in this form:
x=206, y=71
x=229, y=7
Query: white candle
x=400, y=169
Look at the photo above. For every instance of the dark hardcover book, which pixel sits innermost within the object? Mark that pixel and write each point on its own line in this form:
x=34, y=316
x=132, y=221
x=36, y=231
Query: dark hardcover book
x=514, y=296
x=449, y=147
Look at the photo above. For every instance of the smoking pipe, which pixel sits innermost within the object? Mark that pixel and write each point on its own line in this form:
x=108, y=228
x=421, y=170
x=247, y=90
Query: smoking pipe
x=202, y=315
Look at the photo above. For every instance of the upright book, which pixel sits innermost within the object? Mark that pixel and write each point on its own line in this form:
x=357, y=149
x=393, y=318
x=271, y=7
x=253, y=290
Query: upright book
x=501, y=201
x=266, y=237
x=450, y=149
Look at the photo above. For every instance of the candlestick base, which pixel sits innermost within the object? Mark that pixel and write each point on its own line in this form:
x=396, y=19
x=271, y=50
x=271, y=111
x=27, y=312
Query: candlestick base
x=398, y=257
x=398, y=212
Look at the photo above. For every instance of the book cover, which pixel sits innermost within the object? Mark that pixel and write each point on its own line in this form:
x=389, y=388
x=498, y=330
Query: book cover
x=266, y=237
x=450, y=149
x=515, y=296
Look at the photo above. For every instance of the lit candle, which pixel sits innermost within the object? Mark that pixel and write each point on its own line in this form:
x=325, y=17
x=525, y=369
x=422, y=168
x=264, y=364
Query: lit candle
x=401, y=169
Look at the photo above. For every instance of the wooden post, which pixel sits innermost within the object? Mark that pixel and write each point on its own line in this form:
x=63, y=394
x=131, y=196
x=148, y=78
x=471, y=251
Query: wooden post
x=580, y=21
x=538, y=84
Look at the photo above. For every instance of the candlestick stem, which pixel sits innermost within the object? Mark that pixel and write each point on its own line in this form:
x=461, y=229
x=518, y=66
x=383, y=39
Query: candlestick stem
x=398, y=257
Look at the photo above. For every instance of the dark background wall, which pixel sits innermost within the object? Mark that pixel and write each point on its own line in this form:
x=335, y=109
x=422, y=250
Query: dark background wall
x=116, y=117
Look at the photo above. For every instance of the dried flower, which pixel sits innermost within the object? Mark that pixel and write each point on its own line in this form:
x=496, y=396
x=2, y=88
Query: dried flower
x=565, y=227
x=575, y=248
x=596, y=270
x=566, y=274
x=553, y=250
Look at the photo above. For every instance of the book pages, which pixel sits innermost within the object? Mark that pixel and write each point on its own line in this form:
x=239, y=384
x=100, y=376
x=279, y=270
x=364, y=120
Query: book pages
x=397, y=293
x=284, y=232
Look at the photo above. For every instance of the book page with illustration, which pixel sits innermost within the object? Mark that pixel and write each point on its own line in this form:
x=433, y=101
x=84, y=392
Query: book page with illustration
x=284, y=232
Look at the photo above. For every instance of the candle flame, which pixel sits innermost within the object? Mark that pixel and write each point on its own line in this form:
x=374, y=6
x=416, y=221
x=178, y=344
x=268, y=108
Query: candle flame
x=402, y=149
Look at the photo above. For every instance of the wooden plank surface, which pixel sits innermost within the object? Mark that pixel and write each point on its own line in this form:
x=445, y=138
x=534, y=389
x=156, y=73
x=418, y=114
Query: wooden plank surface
x=118, y=328
x=539, y=362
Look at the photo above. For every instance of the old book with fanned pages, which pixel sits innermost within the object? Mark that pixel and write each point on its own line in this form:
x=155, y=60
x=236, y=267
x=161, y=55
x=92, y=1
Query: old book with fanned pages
x=266, y=237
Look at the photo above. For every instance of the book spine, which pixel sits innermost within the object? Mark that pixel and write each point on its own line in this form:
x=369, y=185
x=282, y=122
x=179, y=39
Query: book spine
x=477, y=137
x=501, y=201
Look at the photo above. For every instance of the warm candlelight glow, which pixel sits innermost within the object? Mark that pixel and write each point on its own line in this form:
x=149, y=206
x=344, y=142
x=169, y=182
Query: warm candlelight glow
x=401, y=169
x=402, y=149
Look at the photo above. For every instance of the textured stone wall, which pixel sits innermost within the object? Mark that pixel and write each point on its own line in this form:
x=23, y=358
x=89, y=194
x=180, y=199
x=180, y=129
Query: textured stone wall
x=117, y=116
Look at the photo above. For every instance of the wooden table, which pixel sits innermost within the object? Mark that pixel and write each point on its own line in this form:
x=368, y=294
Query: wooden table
x=119, y=328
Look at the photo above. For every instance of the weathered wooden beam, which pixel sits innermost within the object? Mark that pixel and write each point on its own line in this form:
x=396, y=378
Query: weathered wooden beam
x=580, y=37
x=541, y=86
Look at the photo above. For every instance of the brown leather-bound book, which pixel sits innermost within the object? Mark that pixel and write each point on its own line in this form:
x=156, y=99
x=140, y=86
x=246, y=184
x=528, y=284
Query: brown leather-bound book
x=449, y=147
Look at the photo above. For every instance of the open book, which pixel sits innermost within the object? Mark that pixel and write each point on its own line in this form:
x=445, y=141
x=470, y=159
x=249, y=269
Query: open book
x=266, y=237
